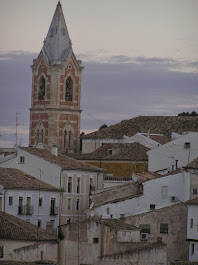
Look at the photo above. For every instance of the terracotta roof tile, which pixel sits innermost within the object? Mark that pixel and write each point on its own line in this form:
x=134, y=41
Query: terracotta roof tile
x=127, y=151
x=193, y=164
x=12, y=178
x=14, y=228
x=63, y=161
x=155, y=124
x=193, y=201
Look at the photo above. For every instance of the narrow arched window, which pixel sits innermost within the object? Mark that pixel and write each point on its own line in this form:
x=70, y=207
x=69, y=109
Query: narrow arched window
x=70, y=139
x=37, y=136
x=69, y=89
x=64, y=139
x=41, y=136
x=41, y=93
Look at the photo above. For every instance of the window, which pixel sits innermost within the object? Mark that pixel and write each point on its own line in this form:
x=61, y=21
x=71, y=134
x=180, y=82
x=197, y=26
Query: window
x=1, y=251
x=110, y=152
x=145, y=228
x=69, y=202
x=95, y=240
x=41, y=93
x=191, y=223
x=164, y=228
x=68, y=221
x=152, y=206
x=194, y=191
x=164, y=191
x=53, y=206
x=69, y=186
x=108, y=211
x=20, y=207
x=41, y=255
x=69, y=89
x=39, y=223
x=192, y=249
x=40, y=201
x=187, y=145
x=22, y=159
x=78, y=185
x=77, y=204
x=122, y=215
x=10, y=200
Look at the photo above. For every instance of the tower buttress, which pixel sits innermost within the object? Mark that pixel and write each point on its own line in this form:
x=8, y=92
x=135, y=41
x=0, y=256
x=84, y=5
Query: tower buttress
x=55, y=112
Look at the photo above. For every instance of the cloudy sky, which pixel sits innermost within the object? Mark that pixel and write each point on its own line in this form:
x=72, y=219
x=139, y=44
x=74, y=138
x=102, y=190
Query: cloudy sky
x=140, y=58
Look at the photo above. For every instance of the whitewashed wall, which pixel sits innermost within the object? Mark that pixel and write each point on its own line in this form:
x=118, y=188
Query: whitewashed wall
x=164, y=156
x=192, y=232
x=178, y=185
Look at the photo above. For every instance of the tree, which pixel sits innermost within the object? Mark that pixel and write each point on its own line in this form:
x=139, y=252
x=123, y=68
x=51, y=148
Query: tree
x=103, y=126
x=193, y=113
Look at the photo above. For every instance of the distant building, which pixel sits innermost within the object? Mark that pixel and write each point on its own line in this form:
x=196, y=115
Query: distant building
x=76, y=178
x=156, y=128
x=55, y=112
x=22, y=241
x=119, y=159
x=29, y=198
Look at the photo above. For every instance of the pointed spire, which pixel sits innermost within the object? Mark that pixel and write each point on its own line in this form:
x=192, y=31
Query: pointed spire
x=57, y=45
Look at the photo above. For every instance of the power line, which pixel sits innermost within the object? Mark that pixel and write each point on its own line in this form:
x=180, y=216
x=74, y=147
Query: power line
x=93, y=117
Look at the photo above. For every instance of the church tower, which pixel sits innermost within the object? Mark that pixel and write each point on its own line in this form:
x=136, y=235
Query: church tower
x=56, y=90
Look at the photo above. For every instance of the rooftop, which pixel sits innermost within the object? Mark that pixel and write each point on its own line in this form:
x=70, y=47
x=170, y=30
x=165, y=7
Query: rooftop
x=193, y=201
x=117, y=151
x=142, y=124
x=11, y=178
x=15, y=228
x=63, y=161
x=193, y=164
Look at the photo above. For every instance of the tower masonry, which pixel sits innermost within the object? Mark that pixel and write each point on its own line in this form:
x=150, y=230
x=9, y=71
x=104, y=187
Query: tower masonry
x=55, y=112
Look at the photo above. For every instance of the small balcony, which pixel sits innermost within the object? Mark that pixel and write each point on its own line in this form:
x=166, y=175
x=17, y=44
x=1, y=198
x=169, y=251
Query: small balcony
x=20, y=209
x=53, y=210
x=28, y=209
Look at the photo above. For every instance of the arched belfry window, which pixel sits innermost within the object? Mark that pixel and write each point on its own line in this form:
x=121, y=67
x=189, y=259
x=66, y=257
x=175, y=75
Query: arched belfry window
x=68, y=136
x=41, y=93
x=40, y=133
x=69, y=89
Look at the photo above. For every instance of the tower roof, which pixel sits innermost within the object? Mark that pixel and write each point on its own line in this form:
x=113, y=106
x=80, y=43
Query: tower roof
x=57, y=45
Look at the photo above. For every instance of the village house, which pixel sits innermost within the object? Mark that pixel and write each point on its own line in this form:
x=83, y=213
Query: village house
x=167, y=225
x=28, y=198
x=23, y=241
x=192, y=229
x=192, y=168
x=94, y=241
x=155, y=193
x=174, y=154
x=119, y=159
x=160, y=129
x=76, y=178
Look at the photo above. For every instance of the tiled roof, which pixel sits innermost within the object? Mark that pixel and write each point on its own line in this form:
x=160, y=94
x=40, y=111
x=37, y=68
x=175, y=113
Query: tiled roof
x=10, y=262
x=127, y=151
x=193, y=201
x=63, y=161
x=154, y=124
x=136, y=246
x=12, y=178
x=15, y=228
x=193, y=164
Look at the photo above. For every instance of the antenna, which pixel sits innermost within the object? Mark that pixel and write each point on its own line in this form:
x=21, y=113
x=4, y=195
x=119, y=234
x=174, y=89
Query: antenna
x=17, y=124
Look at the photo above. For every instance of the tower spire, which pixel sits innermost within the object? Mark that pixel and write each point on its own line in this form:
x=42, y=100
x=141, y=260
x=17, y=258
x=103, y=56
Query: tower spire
x=57, y=45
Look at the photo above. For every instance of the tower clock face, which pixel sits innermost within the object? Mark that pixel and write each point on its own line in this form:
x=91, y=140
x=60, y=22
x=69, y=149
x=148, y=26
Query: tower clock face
x=63, y=31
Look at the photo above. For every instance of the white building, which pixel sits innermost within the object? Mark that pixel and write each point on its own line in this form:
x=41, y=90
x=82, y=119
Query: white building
x=28, y=198
x=157, y=193
x=175, y=154
x=192, y=229
x=75, y=177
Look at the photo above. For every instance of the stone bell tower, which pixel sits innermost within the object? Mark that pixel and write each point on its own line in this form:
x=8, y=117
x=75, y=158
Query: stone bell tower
x=55, y=112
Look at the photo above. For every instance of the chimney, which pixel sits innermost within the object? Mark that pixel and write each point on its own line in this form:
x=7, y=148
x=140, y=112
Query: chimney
x=54, y=150
x=176, y=161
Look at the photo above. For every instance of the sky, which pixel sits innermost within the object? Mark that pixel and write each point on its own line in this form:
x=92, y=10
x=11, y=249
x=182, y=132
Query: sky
x=140, y=58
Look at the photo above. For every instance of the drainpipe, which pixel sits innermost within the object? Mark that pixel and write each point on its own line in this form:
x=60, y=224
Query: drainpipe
x=59, y=227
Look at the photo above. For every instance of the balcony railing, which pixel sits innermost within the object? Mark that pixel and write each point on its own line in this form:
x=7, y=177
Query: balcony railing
x=20, y=209
x=53, y=210
x=28, y=209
